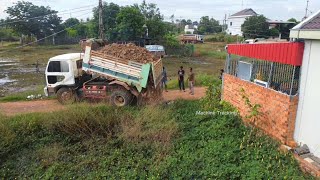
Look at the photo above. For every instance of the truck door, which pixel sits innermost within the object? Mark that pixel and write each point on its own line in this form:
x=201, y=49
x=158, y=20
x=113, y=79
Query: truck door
x=59, y=73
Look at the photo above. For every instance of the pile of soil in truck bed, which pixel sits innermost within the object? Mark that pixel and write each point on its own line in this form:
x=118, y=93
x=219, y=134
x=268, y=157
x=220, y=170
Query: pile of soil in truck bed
x=129, y=52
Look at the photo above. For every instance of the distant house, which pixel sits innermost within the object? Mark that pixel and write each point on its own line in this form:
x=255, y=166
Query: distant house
x=235, y=21
x=189, y=29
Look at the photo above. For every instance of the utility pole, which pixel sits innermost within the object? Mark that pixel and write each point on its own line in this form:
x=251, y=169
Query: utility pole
x=307, y=9
x=224, y=27
x=101, y=27
x=242, y=5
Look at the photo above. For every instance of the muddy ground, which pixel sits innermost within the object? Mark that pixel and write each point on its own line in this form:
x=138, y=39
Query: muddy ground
x=18, y=77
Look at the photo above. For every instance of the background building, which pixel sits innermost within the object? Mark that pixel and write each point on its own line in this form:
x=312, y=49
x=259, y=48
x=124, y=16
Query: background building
x=235, y=21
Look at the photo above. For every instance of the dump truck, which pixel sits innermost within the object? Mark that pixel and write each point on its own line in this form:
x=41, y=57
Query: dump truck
x=96, y=76
x=191, y=38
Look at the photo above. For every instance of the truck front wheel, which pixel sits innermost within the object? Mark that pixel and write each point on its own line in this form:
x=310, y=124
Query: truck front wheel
x=121, y=98
x=66, y=96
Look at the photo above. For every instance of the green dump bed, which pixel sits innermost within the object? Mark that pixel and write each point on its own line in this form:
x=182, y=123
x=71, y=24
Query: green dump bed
x=133, y=73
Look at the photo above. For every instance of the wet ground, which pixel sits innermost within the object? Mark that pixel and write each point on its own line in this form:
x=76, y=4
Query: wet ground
x=18, y=77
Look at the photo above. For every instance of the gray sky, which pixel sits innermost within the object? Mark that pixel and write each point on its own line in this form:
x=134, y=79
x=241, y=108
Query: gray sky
x=187, y=9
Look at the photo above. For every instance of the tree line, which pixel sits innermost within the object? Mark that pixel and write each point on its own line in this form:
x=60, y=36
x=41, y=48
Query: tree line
x=121, y=23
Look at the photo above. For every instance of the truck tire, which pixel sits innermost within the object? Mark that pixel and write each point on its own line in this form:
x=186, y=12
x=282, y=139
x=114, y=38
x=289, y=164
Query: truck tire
x=121, y=97
x=66, y=96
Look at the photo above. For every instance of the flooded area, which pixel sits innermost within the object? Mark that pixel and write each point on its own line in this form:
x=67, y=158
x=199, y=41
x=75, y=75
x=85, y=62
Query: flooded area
x=17, y=77
x=5, y=80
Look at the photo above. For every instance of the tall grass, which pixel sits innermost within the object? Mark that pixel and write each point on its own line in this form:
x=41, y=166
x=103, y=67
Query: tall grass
x=156, y=142
x=79, y=122
x=201, y=80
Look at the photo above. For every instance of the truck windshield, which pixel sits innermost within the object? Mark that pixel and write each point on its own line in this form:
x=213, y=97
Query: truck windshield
x=58, y=66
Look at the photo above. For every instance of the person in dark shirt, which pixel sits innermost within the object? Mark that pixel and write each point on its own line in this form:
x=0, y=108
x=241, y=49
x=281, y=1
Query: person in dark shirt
x=221, y=74
x=181, y=79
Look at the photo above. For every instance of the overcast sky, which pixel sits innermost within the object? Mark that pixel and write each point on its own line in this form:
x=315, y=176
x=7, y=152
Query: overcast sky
x=186, y=9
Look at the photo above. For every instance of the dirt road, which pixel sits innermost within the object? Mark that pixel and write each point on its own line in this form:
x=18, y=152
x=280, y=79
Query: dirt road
x=15, y=108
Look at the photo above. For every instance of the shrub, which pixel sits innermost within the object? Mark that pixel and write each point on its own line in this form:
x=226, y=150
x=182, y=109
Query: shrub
x=174, y=48
x=222, y=37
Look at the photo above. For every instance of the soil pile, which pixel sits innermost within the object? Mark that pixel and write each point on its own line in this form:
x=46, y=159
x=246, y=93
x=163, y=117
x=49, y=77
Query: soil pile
x=129, y=52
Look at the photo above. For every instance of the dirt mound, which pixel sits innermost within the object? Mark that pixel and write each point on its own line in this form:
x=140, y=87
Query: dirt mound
x=129, y=52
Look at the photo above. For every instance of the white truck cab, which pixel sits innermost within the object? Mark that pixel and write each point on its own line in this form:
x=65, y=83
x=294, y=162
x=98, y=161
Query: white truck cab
x=62, y=70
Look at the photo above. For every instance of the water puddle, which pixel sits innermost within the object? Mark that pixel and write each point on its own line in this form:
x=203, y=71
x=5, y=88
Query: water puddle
x=6, y=80
x=8, y=64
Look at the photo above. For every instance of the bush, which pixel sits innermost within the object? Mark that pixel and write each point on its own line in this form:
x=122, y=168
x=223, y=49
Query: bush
x=222, y=37
x=7, y=34
x=174, y=48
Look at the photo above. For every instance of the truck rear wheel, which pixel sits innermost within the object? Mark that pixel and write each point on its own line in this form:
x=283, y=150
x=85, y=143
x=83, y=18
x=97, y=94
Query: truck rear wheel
x=66, y=96
x=121, y=97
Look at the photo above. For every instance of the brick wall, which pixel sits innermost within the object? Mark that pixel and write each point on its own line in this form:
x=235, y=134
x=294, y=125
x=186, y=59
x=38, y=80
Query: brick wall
x=277, y=113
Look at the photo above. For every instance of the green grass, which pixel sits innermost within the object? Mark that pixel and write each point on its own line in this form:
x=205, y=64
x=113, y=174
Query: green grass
x=22, y=96
x=202, y=80
x=212, y=50
x=158, y=142
x=30, y=54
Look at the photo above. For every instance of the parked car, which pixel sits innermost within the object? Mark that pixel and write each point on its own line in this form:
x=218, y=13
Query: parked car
x=252, y=41
x=157, y=50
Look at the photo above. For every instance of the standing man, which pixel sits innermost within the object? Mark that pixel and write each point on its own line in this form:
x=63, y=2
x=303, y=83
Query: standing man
x=181, y=79
x=191, y=80
x=221, y=74
x=37, y=67
x=164, y=79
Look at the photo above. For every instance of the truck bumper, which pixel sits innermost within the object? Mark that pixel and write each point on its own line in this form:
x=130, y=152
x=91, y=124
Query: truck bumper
x=46, y=91
x=49, y=91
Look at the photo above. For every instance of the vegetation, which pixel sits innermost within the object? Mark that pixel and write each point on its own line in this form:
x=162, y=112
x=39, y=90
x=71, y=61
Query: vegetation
x=26, y=19
x=209, y=25
x=22, y=96
x=258, y=27
x=159, y=142
x=223, y=37
x=255, y=27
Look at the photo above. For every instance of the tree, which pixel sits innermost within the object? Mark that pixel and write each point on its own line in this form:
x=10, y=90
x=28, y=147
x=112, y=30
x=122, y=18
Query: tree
x=255, y=27
x=183, y=23
x=208, y=25
x=172, y=18
x=110, y=12
x=189, y=22
x=71, y=22
x=293, y=20
x=29, y=19
x=130, y=23
x=76, y=28
x=274, y=32
x=153, y=20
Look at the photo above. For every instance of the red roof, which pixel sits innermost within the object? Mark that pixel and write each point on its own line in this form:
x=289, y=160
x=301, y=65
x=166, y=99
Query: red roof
x=285, y=53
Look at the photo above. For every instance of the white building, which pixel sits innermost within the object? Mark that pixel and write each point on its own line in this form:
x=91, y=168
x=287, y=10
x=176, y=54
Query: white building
x=307, y=130
x=189, y=29
x=235, y=21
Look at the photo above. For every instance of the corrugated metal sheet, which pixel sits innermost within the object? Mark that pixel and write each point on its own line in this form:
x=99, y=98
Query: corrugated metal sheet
x=285, y=53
